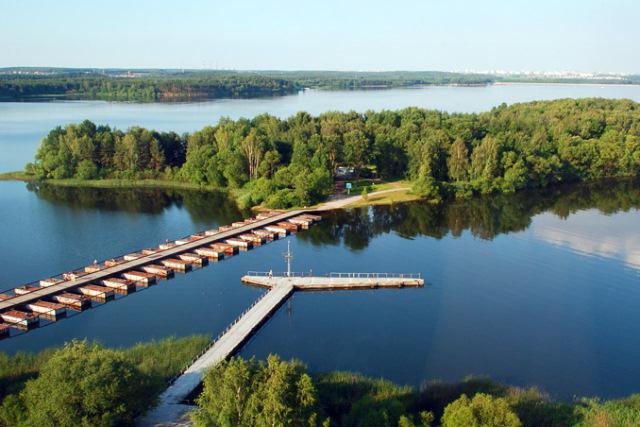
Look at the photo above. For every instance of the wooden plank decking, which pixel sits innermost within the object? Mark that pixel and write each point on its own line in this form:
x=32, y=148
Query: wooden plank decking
x=327, y=283
x=119, y=268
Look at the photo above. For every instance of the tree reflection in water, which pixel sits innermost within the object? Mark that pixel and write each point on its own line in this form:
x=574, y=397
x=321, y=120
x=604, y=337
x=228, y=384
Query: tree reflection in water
x=484, y=217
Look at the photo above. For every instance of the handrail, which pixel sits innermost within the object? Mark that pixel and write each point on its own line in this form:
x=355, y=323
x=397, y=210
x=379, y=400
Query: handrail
x=377, y=275
x=215, y=340
x=284, y=274
x=372, y=275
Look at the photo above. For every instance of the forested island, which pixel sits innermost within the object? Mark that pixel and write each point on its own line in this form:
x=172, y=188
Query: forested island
x=87, y=384
x=32, y=84
x=292, y=162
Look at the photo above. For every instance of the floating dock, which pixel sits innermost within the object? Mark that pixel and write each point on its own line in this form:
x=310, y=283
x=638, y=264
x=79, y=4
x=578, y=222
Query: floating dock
x=100, y=281
x=335, y=281
x=172, y=403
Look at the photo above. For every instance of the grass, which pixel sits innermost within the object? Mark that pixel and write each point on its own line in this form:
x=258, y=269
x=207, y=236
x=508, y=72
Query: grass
x=375, y=185
x=16, y=176
x=387, y=199
x=399, y=196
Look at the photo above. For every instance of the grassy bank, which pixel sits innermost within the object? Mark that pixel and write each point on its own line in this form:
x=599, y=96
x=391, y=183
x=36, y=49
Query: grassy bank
x=106, y=183
x=16, y=176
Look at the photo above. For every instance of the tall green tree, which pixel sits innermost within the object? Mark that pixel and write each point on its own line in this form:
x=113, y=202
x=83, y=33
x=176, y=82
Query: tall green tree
x=458, y=161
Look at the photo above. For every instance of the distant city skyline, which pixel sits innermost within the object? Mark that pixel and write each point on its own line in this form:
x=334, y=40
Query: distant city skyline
x=589, y=36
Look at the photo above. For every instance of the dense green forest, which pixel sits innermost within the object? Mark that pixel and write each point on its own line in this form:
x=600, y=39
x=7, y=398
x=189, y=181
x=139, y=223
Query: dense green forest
x=291, y=162
x=84, y=384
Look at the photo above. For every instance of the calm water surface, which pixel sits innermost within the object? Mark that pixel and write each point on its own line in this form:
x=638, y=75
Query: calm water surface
x=538, y=288
x=22, y=125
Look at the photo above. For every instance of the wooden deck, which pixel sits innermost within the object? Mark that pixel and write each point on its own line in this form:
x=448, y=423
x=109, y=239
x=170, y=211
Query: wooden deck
x=171, y=407
x=328, y=283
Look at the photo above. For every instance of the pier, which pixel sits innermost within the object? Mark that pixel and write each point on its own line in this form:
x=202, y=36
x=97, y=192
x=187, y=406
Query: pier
x=23, y=307
x=172, y=406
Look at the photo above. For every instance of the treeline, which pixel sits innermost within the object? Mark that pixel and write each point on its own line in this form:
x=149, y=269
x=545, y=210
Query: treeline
x=184, y=85
x=291, y=162
x=382, y=79
x=172, y=85
x=141, y=88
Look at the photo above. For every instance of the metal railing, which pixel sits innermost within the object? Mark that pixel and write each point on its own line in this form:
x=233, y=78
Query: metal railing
x=216, y=339
x=340, y=275
x=277, y=273
x=377, y=275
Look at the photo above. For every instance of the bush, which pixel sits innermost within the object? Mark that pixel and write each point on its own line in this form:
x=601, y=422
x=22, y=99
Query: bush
x=483, y=410
x=85, y=385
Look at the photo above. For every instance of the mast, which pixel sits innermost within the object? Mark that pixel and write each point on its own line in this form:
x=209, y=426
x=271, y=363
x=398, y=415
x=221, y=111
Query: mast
x=288, y=256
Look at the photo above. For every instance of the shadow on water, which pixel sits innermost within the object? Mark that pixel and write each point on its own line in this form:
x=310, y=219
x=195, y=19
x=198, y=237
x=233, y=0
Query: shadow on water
x=203, y=206
x=484, y=217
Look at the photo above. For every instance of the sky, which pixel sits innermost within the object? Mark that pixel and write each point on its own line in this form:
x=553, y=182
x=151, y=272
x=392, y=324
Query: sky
x=448, y=35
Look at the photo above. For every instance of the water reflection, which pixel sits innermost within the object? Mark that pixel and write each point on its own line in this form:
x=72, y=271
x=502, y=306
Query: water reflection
x=483, y=217
x=202, y=206
x=606, y=237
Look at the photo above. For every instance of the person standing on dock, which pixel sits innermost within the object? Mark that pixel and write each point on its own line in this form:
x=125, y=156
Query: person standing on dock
x=270, y=273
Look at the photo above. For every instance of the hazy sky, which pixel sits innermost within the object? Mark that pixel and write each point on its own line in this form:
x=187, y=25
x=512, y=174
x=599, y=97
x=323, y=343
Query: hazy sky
x=585, y=35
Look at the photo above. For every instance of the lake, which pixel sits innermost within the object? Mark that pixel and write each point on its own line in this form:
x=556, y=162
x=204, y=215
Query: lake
x=537, y=288
x=23, y=125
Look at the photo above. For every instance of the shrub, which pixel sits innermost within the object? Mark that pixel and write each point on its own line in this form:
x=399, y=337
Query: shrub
x=83, y=384
x=481, y=411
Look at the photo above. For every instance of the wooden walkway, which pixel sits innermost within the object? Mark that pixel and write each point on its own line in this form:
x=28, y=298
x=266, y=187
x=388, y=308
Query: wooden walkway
x=46, y=292
x=171, y=406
